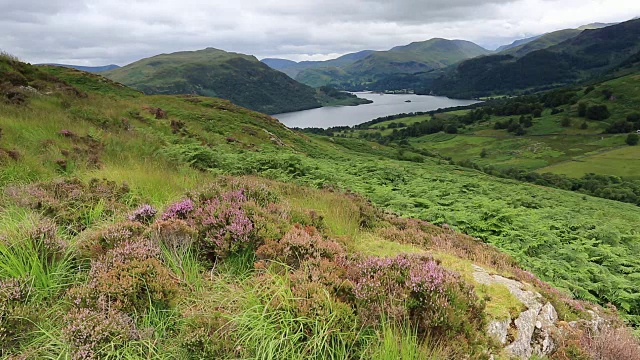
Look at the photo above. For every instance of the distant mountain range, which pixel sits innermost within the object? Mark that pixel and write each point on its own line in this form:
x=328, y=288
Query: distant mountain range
x=464, y=69
x=356, y=70
x=91, y=69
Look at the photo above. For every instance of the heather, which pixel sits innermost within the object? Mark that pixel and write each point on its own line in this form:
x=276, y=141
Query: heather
x=204, y=230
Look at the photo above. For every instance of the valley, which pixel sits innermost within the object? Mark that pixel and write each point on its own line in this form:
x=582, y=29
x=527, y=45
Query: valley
x=463, y=204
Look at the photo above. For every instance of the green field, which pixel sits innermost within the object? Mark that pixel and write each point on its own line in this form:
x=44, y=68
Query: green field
x=624, y=162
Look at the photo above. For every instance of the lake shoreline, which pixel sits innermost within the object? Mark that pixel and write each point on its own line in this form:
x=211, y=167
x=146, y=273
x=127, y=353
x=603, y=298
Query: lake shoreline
x=382, y=105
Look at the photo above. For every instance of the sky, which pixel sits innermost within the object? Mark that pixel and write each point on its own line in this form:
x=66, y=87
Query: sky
x=92, y=32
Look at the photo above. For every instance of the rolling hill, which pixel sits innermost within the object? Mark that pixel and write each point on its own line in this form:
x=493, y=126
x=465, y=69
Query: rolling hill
x=590, y=54
x=239, y=78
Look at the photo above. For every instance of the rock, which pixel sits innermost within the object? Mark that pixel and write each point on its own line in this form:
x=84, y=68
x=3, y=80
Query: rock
x=499, y=329
x=534, y=326
x=525, y=323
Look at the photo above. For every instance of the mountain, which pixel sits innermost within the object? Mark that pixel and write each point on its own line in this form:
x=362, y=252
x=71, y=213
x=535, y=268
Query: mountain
x=211, y=72
x=293, y=68
x=91, y=69
x=541, y=42
x=517, y=43
x=137, y=225
x=417, y=57
x=590, y=53
x=279, y=64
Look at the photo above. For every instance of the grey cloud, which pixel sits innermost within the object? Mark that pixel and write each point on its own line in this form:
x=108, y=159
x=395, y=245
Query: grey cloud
x=95, y=32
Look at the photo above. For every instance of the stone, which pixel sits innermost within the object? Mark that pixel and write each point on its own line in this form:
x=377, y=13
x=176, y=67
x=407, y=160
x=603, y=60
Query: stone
x=499, y=329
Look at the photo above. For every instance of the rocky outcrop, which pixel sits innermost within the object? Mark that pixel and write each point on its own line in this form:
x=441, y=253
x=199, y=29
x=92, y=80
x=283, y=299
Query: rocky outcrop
x=533, y=327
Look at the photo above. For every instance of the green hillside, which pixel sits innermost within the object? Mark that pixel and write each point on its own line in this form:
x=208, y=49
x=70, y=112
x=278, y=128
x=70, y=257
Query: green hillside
x=179, y=227
x=542, y=42
x=239, y=78
x=590, y=54
x=417, y=57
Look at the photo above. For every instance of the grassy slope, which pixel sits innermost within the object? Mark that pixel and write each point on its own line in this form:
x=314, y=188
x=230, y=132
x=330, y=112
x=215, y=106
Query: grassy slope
x=579, y=243
x=470, y=201
x=543, y=42
x=211, y=72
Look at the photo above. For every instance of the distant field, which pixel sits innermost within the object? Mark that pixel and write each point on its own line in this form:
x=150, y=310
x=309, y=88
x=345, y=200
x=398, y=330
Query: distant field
x=624, y=162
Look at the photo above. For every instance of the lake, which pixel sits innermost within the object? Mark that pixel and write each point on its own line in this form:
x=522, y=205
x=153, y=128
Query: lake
x=383, y=105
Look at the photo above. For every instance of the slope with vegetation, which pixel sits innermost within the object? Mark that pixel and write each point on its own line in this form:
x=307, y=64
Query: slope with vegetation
x=367, y=69
x=141, y=226
x=590, y=54
x=574, y=138
x=239, y=78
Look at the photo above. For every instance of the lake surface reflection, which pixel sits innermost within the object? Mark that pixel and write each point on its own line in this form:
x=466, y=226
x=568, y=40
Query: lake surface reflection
x=383, y=105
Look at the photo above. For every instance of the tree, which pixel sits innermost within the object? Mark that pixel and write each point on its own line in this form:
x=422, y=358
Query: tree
x=597, y=112
x=582, y=109
x=632, y=139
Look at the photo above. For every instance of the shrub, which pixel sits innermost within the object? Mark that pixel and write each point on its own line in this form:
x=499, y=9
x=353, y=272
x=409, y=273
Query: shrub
x=98, y=242
x=611, y=344
x=298, y=245
x=73, y=204
x=128, y=278
x=92, y=333
x=417, y=290
x=597, y=112
x=16, y=318
x=144, y=214
x=225, y=227
x=632, y=139
x=180, y=210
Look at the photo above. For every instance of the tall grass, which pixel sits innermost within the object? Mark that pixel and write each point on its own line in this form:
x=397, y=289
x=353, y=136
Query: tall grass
x=26, y=260
x=402, y=343
x=268, y=328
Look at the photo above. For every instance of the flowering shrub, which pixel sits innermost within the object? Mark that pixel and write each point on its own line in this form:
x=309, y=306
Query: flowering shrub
x=224, y=224
x=16, y=317
x=88, y=332
x=72, y=203
x=144, y=214
x=180, y=210
x=97, y=243
x=298, y=245
x=127, y=278
x=45, y=238
x=418, y=290
x=177, y=235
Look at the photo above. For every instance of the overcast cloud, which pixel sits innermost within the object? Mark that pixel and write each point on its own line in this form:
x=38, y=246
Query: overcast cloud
x=92, y=32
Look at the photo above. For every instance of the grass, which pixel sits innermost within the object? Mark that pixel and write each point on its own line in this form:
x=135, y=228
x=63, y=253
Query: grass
x=623, y=162
x=370, y=244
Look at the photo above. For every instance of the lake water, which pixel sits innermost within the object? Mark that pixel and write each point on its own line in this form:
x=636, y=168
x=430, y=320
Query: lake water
x=383, y=105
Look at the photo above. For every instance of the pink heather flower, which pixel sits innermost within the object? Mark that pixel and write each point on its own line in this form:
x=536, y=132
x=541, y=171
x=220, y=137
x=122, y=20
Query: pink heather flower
x=144, y=214
x=179, y=210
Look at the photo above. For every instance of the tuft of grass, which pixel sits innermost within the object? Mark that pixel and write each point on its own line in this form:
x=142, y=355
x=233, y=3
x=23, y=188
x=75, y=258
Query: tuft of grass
x=402, y=343
x=268, y=328
x=23, y=259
